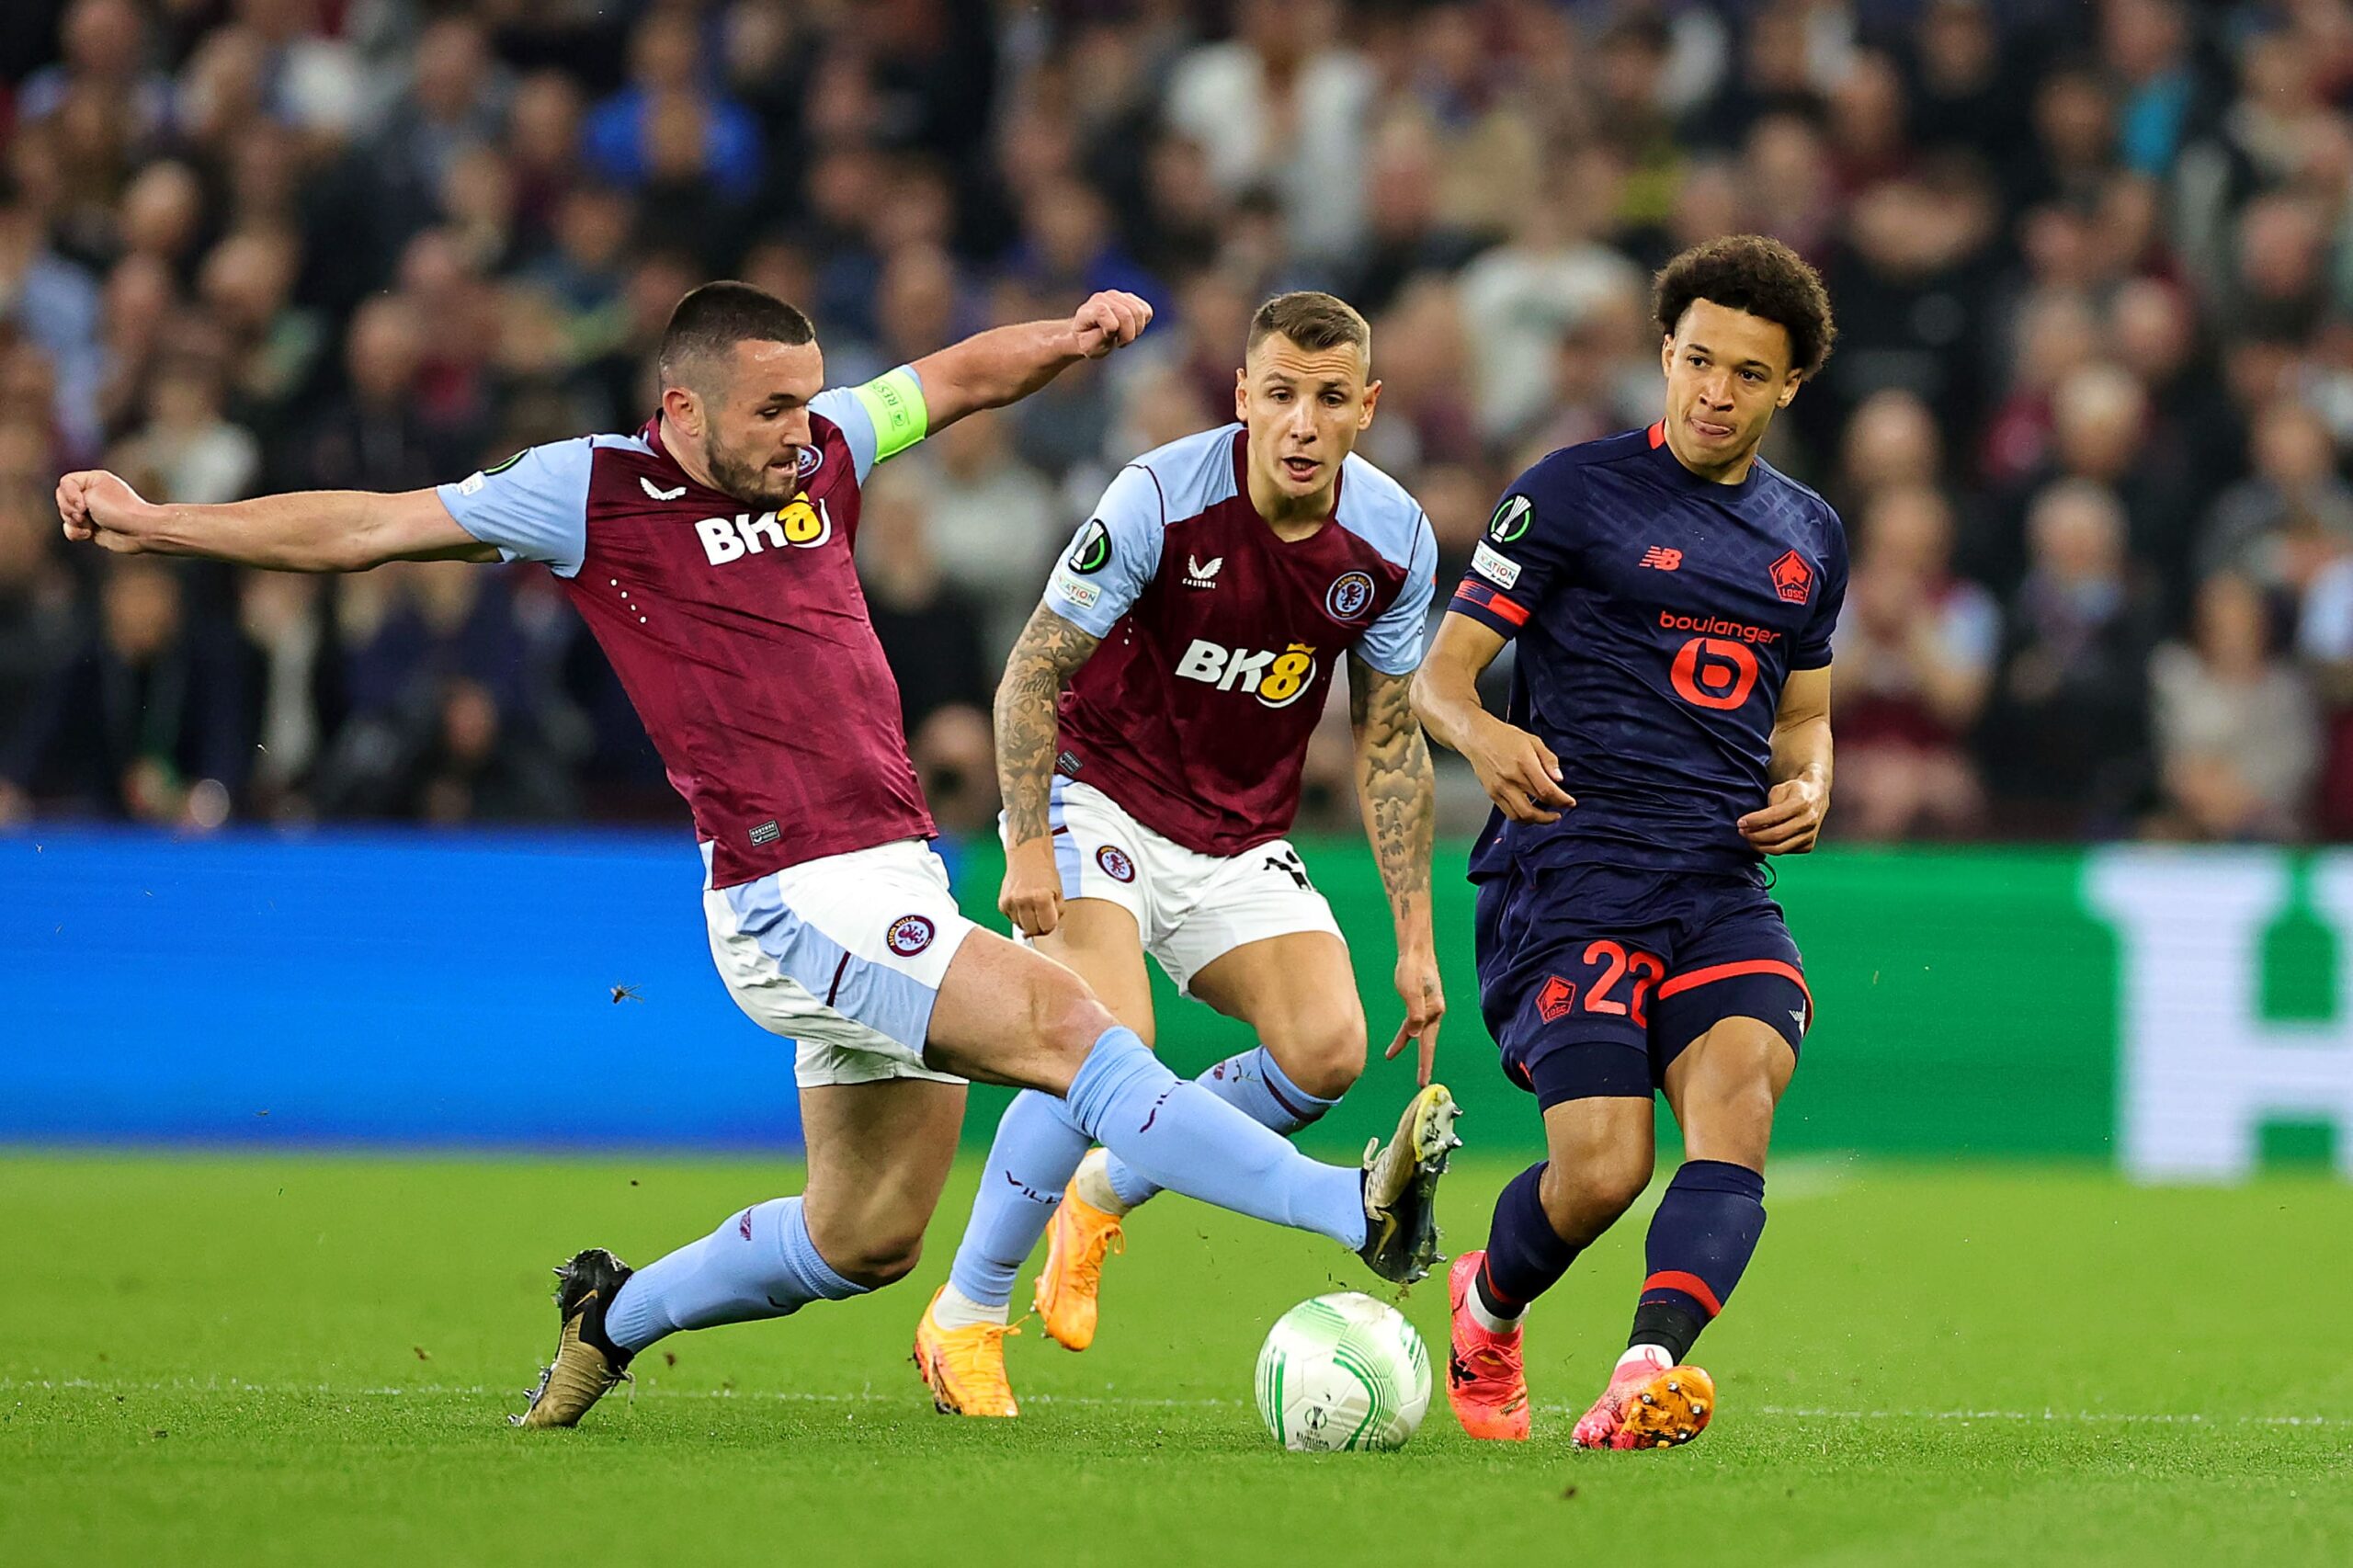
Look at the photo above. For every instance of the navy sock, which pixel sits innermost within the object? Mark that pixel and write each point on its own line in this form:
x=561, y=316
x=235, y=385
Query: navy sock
x=1526, y=1257
x=1702, y=1238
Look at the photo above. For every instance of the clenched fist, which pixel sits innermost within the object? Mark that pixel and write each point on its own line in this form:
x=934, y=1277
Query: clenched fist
x=1032, y=894
x=1107, y=321
x=99, y=507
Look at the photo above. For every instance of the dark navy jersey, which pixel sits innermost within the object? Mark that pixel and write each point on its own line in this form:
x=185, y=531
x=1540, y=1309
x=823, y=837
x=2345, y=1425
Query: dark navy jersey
x=1658, y=616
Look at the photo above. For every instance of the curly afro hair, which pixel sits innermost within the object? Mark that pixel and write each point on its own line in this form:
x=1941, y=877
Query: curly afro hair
x=1756, y=274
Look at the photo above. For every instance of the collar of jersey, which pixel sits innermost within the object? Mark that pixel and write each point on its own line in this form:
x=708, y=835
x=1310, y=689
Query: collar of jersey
x=1663, y=453
x=1242, y=488
x=651, y=432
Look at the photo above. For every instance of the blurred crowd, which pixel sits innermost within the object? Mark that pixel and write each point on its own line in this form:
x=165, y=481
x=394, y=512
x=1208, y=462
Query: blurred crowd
x=2087, y=421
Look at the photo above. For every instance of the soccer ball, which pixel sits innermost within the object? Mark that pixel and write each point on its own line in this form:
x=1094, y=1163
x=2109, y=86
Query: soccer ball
x=1343, y=1371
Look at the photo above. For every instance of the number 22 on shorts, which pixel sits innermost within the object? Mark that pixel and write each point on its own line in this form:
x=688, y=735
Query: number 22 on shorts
x=1617, y=963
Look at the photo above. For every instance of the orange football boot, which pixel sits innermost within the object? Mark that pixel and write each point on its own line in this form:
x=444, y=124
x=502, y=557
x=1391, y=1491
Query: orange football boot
x=1649, y=1404
x=1076, y=1242
x=964, y=1367
x=1484, y=1380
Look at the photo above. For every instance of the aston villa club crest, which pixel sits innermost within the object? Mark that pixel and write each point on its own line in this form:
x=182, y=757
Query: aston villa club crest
x=1792, y=578
x=1115, y=863
x=1350, y=593
x=808, y=461
x=911, y=934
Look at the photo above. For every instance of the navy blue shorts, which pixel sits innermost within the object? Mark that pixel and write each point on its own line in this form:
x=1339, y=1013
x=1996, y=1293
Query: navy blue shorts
x=1593, y=979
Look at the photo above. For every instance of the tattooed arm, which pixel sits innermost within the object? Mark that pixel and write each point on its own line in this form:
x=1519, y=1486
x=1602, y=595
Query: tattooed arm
x=1395, y=787
x=1050, y=650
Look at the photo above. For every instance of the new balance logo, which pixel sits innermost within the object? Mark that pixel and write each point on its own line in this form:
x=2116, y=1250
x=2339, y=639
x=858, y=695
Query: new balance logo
x=1662, y=558
x=1200, y=573
x=657, y=492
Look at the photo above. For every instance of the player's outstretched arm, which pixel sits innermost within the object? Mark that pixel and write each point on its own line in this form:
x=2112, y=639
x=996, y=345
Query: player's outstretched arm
x=1398, y=793
x=1007, y=364
x=1049, y=651
x=1790, y=819
x=1517, y=769
x=314, y=530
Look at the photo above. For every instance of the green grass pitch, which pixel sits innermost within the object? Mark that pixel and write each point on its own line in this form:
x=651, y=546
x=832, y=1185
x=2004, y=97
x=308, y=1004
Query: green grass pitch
x=307, y=1360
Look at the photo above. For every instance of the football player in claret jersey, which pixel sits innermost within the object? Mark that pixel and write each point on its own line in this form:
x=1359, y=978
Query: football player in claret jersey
x=1672, y=597
x=1150, y=730
x=710, y=554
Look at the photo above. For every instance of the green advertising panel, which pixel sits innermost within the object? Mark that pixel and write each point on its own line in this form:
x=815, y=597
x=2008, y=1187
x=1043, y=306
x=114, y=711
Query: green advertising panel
x=2166, y=1008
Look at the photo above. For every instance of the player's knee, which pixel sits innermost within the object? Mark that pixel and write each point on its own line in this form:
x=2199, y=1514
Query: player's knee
x=1584, y=1198
x=1735, y=1125
x=883, y=1256
x=1727, y=1100
x=1065, y=1018
x=1323, y=1055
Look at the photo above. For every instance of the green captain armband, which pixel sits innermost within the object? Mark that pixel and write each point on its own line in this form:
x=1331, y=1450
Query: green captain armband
x=894, y=402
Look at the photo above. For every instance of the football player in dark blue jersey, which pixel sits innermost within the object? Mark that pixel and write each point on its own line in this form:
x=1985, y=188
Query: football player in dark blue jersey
x=1672, y=595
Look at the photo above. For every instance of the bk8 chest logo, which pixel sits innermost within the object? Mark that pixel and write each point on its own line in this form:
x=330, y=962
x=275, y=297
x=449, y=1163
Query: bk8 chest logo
x=1276, y=679
x=803, y=525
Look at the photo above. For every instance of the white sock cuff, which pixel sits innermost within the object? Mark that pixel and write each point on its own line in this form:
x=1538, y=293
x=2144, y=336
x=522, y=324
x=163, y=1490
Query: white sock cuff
x=1657, y=1356
x=1093, y=1184
x=955, y=1309
x=1492, y=1322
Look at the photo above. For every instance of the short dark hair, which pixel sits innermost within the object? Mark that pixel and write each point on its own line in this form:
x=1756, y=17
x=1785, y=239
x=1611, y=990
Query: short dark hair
x=712, y=320
x=1756, y=274
x=1312, y=320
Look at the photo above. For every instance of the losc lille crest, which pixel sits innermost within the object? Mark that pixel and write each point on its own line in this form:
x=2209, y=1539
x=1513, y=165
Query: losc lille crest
x=1558, y=997
x=1792, y=578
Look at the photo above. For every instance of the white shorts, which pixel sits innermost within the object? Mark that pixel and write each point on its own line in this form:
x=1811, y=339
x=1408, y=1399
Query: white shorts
x=1191, y=908
x=843, y=954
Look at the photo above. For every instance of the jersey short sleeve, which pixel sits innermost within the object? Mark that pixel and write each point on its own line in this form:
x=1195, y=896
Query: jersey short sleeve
x=1392, y=644
x=879, y=419
x=1525, y=551
x=1810, y=650
x=533, y=507
x=1117, y=553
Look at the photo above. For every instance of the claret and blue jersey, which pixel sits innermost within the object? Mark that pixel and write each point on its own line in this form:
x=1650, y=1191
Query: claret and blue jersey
x=1658, y=616
x=1219, y=638
x=742, y=636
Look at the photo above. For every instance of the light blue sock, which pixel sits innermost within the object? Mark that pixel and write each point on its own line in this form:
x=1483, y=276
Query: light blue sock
x=760, y=1264
x=1253, y=1082
x=1176, y=1134
x=1035, y=1151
